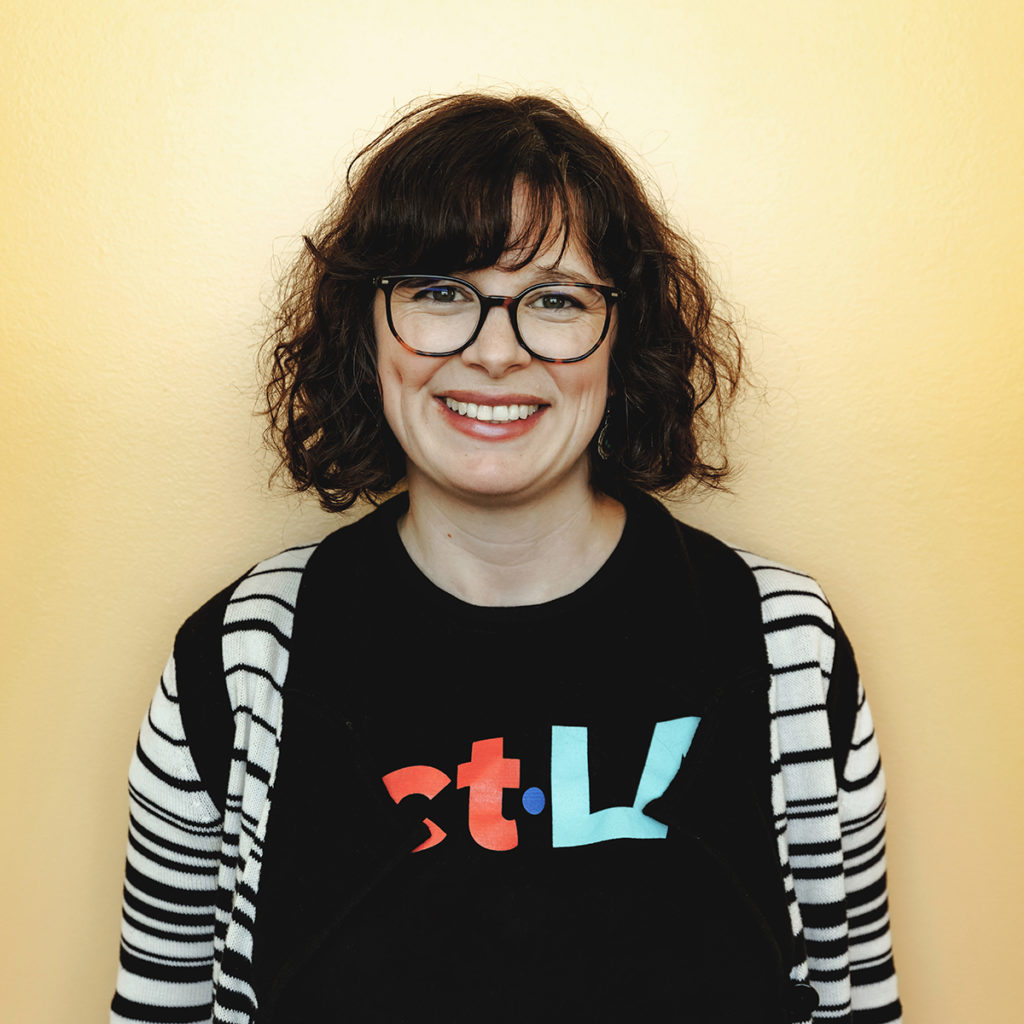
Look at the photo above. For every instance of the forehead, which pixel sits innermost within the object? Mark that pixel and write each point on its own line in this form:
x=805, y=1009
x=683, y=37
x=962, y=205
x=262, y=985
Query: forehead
x=543, y=236
x=552, y=262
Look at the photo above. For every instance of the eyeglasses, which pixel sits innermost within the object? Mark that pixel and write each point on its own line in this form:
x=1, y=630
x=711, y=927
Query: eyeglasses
x=441, y=316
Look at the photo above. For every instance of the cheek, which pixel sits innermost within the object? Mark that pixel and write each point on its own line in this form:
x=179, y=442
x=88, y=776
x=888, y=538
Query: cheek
x=404, y=387
x=390, y=369
x=591, y=390
x=402, y=373
x=390, y=379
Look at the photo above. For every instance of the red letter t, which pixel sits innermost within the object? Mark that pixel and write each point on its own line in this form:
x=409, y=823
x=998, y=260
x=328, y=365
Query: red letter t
x=486, y=774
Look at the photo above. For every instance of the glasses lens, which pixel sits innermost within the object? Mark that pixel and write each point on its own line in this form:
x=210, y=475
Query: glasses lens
x=434, y=314
x=562, y=321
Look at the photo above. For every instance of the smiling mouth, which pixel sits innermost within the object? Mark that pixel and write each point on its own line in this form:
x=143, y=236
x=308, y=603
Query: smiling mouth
x=491, y=413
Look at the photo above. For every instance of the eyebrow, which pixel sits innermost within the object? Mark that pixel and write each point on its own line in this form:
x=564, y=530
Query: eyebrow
x=540, y=273
x=554, y=268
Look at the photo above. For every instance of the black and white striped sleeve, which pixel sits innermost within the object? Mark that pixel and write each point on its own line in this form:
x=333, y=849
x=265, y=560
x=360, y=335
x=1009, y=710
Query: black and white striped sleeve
x=828, y=795
x=174, y=839
x=874, y=998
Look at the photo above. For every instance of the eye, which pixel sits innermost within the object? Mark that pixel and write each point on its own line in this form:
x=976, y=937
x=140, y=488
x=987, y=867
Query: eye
x=443, y=293
x=555, y=301
x=438, y=293
x=563, y=303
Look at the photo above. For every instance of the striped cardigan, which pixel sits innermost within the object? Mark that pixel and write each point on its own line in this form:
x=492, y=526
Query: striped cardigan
x=193, y=872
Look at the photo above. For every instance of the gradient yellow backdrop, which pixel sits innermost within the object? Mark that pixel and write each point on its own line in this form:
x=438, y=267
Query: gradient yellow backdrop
x=853, y=171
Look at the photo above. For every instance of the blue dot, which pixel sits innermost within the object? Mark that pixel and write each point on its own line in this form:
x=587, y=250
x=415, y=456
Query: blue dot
x=533, y=800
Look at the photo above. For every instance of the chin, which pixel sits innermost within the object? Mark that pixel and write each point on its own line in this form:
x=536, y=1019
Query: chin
x=500, y=487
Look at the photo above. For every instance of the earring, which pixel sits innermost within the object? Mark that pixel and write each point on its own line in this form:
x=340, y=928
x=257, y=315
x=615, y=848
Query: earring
x=603, y=450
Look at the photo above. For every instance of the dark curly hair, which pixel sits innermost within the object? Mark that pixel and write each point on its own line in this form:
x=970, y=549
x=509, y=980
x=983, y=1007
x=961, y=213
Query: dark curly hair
x=433, y=194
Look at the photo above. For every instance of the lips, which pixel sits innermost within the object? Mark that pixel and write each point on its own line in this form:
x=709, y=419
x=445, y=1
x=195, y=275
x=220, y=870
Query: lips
x=492, y=413
x=491, y=417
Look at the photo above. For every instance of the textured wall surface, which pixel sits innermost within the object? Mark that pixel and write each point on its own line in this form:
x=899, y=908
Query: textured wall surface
x=853, y=172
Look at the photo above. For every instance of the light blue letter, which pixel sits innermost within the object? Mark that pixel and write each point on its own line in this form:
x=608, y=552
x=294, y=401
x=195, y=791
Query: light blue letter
x=572, y=821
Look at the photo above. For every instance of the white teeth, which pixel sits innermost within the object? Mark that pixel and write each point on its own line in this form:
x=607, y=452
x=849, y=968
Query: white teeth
x=488, y=413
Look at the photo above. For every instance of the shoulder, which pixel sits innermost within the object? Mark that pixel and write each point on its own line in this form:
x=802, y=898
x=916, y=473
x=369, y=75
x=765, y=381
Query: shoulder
x=727, y=577
x=268, y=591
x=791, y=606
x=790, y=598
x=256, y=608
x=269, y=585
x=233, y=651
x=262, y=602
x=810, y=658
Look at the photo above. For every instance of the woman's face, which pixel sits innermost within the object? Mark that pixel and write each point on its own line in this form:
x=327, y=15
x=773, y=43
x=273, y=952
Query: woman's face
x=479, y=459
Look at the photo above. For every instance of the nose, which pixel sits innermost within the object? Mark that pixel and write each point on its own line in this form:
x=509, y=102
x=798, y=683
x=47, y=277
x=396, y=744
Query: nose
x=496, y=349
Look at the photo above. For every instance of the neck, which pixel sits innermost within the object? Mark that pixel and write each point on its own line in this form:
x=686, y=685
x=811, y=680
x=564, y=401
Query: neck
x=504, y=554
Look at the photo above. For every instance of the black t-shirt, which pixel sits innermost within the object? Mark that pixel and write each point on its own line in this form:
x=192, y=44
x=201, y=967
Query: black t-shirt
x=559, y=810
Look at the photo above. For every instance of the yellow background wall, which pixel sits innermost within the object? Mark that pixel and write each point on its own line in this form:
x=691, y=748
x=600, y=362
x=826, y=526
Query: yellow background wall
x=853, y=170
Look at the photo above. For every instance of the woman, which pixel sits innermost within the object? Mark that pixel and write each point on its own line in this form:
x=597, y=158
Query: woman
x=516, y=743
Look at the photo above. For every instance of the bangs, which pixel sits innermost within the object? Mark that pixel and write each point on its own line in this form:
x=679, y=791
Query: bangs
x=466, y=194
x=512, y=229
x=473, y=223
